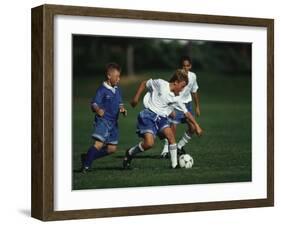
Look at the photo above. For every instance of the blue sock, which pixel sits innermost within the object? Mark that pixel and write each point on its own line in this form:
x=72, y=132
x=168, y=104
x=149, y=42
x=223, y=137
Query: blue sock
x=94, y=154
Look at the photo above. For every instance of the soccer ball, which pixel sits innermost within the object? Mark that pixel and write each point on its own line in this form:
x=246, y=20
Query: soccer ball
x=186, y=161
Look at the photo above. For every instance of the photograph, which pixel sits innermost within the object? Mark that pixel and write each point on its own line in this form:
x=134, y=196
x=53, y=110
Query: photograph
x=173, y=111
x=159, y=112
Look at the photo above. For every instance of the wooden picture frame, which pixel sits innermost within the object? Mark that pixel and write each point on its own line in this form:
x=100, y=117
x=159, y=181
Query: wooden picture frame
x=43, y=112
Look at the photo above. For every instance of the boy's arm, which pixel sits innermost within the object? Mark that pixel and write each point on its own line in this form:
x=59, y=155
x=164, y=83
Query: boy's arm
x=191, y=120
x=139, y=91
x=99, y=111
x=195, y=97
x=123, y=110
x=95, y=103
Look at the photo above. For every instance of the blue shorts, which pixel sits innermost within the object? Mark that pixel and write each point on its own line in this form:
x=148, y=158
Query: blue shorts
x=150, y=122
x=105, y=131
x=180, y=117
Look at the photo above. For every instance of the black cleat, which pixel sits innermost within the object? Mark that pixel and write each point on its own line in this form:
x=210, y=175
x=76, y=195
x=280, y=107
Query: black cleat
x=85, y=170
x=165, y=155
x=127, y=160
x=181, y=151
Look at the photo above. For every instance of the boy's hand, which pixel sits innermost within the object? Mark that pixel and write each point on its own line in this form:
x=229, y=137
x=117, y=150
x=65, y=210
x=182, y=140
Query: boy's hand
x=134, y=102
x=123, y=111
x=173, y=114
x=198, y=130
x=100, y=112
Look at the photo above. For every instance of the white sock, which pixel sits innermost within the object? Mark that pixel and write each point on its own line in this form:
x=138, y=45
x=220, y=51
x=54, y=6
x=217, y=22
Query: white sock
x=136, y=149
x=173, y=155
x=184, y=140
x=166, y=147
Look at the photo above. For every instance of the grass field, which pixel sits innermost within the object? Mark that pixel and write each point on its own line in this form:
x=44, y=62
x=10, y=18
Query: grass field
x=222, y=154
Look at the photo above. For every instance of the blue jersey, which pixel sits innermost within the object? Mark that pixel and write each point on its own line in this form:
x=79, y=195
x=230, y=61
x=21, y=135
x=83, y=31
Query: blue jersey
x=109, y=99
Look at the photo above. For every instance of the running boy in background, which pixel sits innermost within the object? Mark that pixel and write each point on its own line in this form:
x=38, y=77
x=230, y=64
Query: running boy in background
x=153, y=120
x=107, y=104
x=188, y=94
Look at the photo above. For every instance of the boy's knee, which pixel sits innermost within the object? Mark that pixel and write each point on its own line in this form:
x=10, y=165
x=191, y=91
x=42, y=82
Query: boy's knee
x=111, y=148
x=147, y=144
x=98, y=145
x=171, y=138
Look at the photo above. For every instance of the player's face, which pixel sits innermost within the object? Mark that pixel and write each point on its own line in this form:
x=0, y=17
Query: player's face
x=113, y=77
x=178, y=87
x=186, y=65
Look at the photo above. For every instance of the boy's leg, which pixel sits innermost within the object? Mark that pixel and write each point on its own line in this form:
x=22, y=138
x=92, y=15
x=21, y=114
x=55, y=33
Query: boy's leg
x=94, y=152
x=168, y=133
x=165, y=151
x=189, y=132
x=185, y=138
x=147, y=143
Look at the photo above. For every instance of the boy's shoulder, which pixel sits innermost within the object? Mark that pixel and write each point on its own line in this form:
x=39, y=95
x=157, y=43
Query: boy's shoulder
x=159, y=81
x=192, y=75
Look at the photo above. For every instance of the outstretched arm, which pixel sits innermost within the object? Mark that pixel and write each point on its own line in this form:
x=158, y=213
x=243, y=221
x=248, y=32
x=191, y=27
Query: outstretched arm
x=139, y=91
x=190, y=119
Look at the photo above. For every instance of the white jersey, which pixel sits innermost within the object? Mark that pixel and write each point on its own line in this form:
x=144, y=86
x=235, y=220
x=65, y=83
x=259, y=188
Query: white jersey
x=160, y=99
x=191, y=87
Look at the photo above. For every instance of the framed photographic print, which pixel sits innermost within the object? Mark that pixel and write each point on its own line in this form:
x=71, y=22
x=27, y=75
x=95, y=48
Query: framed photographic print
x=197, y=89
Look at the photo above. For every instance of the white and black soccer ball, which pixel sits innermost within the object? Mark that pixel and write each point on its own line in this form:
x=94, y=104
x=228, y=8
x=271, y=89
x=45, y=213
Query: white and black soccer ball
x=186, y=161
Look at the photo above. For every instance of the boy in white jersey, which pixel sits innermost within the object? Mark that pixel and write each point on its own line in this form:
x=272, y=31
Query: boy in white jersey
x=153, y=120
x=188, y=93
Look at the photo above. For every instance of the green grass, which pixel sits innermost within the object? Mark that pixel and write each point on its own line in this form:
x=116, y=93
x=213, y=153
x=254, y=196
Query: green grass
x=222, y=154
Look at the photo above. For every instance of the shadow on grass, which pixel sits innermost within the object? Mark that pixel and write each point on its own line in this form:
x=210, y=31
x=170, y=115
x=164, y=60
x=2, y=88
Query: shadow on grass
x=142, y=157
x=99, y=168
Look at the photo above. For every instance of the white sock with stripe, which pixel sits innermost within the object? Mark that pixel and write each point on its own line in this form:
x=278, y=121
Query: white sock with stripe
x=184, y=140
x=136, y=149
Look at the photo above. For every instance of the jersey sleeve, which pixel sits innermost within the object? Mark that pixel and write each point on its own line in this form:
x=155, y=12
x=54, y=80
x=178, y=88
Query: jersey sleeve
x=120, y=100
x=181, y=107
x=153, y=84
x=97, y=99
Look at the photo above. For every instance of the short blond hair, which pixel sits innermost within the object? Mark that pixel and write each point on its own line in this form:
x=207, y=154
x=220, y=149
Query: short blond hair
x=179, y=75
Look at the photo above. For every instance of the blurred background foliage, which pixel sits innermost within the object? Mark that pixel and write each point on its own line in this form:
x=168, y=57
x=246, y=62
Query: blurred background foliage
x=92, y=53
x=224, y=76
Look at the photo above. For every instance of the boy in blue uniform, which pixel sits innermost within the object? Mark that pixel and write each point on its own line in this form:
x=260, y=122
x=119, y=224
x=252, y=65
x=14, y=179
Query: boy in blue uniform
x=159, y=102
x=107, y=104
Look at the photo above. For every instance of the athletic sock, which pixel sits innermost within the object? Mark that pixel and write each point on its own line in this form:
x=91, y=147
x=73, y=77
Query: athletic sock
x=94, y=154
x=173, y=155
x=135, y=150
x=166, y=147
x=184, y=140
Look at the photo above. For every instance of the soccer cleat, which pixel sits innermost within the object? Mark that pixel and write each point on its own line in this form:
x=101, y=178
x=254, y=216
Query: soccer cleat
x=85, y=170
x=181, y=151
x=127, y=160
x=165, y=152
x=165, y=155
